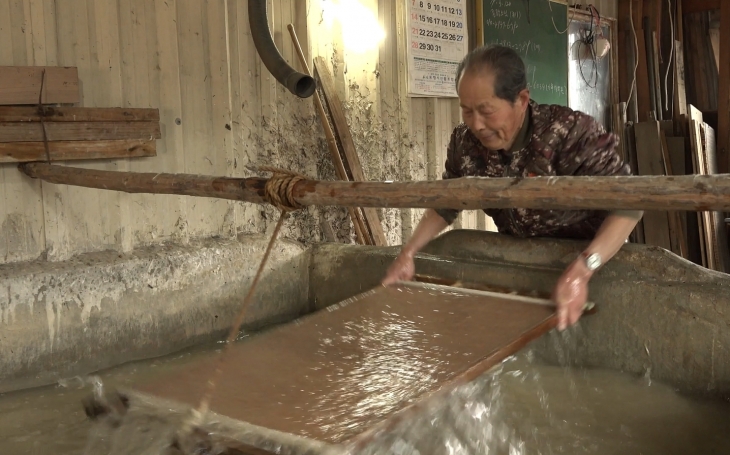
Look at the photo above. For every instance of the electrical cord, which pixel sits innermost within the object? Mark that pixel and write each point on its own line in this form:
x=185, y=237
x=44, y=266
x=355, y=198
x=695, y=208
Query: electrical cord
x=669, y=62
x=636, y=57
x=588, y=39
x=553, y=20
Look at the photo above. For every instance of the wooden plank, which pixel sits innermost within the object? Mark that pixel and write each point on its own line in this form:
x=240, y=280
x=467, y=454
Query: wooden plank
x=723, y=102
x=676, y=232
x=19, y=152
x=698, y=169
x=687, y=192
x=658, y=80
x=356, y=215
x=698, y=6
x=715, y=220
x=637, y=236
x=643, y=92
x=680, y=91
x=78, y=131
x=78, y=114
x=348, y=146
x=676, y=148
x=650, y=162
x=22, y=84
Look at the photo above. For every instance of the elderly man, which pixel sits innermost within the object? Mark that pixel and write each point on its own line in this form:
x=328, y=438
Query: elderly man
x=506, y=134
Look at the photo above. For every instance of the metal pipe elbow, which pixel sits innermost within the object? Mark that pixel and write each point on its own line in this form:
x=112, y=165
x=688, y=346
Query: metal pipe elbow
x=298, y=83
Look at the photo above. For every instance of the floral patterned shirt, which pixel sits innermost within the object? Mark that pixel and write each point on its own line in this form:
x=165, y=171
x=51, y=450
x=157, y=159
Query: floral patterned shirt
x=554, y=140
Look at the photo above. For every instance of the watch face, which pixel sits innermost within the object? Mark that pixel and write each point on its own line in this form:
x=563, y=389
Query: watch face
x=593, y=261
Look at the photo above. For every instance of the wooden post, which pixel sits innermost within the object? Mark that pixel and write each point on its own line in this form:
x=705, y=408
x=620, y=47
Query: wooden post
x=687, y=192
x=723, y=104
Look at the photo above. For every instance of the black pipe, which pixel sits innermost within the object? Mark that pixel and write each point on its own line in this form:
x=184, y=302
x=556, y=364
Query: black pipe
x=298, y=83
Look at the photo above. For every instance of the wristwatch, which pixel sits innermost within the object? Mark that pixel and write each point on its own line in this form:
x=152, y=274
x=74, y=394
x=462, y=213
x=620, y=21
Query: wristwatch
x=593, y=261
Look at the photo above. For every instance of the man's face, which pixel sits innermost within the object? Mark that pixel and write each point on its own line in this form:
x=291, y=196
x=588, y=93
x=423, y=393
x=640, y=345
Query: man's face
x=493, y=120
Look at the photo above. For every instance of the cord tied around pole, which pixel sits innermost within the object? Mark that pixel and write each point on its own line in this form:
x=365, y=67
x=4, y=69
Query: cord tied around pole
x=280, y=188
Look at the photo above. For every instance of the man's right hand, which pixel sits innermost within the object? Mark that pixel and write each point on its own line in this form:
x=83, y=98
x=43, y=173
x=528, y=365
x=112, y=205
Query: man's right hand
x=402, y=269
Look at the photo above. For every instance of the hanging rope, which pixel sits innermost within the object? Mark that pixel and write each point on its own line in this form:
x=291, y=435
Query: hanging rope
x=279, y=192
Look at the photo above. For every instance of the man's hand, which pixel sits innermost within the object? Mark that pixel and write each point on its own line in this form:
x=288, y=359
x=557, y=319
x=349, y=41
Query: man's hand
x=571, y=293
x=402, y=269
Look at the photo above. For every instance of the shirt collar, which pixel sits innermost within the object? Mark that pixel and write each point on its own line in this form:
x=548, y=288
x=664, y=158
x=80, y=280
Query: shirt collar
x=523, y=135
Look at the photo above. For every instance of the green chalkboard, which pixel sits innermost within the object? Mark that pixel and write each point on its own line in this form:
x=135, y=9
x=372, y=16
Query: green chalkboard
x=527, y=26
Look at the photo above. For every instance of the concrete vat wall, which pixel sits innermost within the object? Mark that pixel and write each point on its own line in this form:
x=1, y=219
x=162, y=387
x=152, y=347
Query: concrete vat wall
x=656, y=311
x=95, y=311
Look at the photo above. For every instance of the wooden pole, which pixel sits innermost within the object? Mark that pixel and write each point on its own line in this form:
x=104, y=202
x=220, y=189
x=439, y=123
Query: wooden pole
x=646, y=192
x=358, y=222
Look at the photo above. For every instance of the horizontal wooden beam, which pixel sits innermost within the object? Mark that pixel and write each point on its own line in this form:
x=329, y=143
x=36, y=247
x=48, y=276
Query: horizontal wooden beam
x=697, y=6
x=22, y=84
x=689, y=192
x=78, y=131
x=78, y=114
x=24, y=152
x=250, y=190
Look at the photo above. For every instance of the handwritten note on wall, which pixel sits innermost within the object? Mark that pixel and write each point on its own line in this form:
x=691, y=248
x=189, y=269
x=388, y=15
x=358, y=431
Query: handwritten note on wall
x=528, y=28
x=438, y=40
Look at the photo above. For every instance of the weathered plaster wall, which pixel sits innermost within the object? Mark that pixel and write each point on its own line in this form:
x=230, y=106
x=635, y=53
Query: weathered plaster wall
x=221, y=111
x=64, y=319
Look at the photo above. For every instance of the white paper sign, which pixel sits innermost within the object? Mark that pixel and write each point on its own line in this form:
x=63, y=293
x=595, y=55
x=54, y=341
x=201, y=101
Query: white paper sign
x=438, y=40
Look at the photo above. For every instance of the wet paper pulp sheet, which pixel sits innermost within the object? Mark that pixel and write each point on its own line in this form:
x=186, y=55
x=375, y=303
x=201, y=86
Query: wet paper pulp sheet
x=334, y=374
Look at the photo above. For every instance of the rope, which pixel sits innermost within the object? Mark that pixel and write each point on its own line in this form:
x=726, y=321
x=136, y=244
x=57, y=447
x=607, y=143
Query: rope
x=279, y=191
x=280, y=188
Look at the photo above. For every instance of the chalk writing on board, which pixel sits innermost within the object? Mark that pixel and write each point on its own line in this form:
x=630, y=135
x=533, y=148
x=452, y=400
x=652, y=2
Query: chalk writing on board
x=531, y=29
x=438, y=42
x=559, y=89
x=501, y=24
x=507, y=14
x=525, y=48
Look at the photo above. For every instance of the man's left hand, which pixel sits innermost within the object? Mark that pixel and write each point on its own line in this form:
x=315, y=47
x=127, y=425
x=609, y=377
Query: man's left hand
x=571, y=293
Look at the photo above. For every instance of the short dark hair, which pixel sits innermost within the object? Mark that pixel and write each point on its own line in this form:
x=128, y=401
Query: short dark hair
x=508, y=68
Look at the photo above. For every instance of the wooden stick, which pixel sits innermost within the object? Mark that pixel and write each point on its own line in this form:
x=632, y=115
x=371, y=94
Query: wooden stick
x=646, y=192
x=355, y=214
x=352, y=160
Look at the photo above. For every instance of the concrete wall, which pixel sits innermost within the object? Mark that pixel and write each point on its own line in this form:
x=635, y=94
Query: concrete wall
x=59, y=320
x=657, y=313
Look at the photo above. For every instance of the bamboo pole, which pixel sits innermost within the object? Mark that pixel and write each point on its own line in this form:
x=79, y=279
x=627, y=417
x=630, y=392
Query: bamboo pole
x=647, y=192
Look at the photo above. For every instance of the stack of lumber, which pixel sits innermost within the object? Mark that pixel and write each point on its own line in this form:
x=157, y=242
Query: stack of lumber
x=36, y=131
x=665, y=132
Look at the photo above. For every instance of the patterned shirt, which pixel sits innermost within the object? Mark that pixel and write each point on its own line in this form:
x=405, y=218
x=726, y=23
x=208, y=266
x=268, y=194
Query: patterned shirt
x=554, y=140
